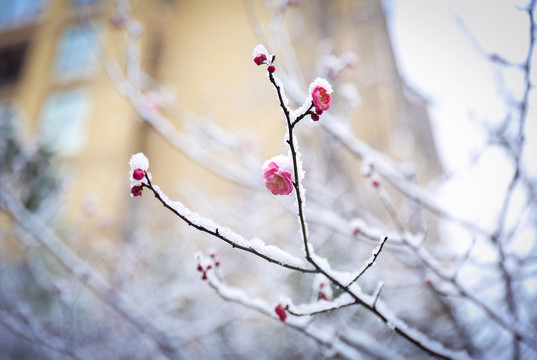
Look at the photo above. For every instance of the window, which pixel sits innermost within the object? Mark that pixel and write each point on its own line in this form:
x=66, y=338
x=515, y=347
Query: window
x=64, y=121
x=77, y=52
x=11, y=62
x=15, y=13
x=83, y=3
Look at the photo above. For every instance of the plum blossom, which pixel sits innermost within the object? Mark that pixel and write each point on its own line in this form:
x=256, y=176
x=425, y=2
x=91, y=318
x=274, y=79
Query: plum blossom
x=139, y=165
x=320, y=91
x=260, y=54
x=138, y=174
x=280, y=311
x=137, y=190
x=277, y=174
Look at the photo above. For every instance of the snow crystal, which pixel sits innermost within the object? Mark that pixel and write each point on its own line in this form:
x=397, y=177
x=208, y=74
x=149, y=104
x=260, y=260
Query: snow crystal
x=260, y=50
x=274, y=253
x=139, y=161
x=283, y=162
x=302, y=109
x=341, y=276
x=322, y=305
x=322, y=83
x=279, y=84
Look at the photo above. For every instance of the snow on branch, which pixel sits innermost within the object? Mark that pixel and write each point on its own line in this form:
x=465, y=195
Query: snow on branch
x=271, y=253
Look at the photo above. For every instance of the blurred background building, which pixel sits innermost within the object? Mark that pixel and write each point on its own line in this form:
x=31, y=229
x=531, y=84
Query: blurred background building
x=54, y=85
x=60, y=104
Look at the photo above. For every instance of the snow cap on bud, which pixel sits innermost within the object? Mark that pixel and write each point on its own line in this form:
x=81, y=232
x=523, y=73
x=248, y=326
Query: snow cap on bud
x=277, y=174
x=260, y=54
x=139, y=165
x=320, y=91
x=139, y=161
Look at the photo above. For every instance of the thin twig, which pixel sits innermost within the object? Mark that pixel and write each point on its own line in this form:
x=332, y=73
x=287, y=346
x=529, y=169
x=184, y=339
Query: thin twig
x=216, y=233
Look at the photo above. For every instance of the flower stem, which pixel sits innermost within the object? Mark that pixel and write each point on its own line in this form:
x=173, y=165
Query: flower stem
x=296, y=182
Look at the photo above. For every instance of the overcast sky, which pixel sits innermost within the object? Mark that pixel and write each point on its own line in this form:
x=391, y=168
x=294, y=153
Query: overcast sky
x=437, y=46
x=442, y=48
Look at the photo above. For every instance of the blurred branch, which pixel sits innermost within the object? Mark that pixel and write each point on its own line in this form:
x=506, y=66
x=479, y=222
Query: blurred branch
x=70, y=261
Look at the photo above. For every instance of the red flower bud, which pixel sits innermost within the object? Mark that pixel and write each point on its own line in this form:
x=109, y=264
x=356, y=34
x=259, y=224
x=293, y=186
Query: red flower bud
x=260, y=59
x=271, y=68
x=138, y=174
x=137, y=190
x=280, y=311
x=314, y=117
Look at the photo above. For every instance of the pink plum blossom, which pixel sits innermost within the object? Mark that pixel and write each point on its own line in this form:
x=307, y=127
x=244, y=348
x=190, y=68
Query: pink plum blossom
x=321, y=99
x=320, y=91
x=277, y=175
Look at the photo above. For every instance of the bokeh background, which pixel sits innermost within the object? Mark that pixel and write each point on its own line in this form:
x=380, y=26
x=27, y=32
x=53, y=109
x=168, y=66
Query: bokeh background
x=86, y=83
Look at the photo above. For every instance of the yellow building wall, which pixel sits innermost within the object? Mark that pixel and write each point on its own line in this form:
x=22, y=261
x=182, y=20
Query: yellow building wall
x=205, y=58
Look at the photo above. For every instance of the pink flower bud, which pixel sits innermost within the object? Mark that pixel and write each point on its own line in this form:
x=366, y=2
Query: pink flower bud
x=314, y=117
x=320, y=91
x=277, y=175
x=280, y=311
x=138, y=174
x=271, y=68
x=137, y=190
